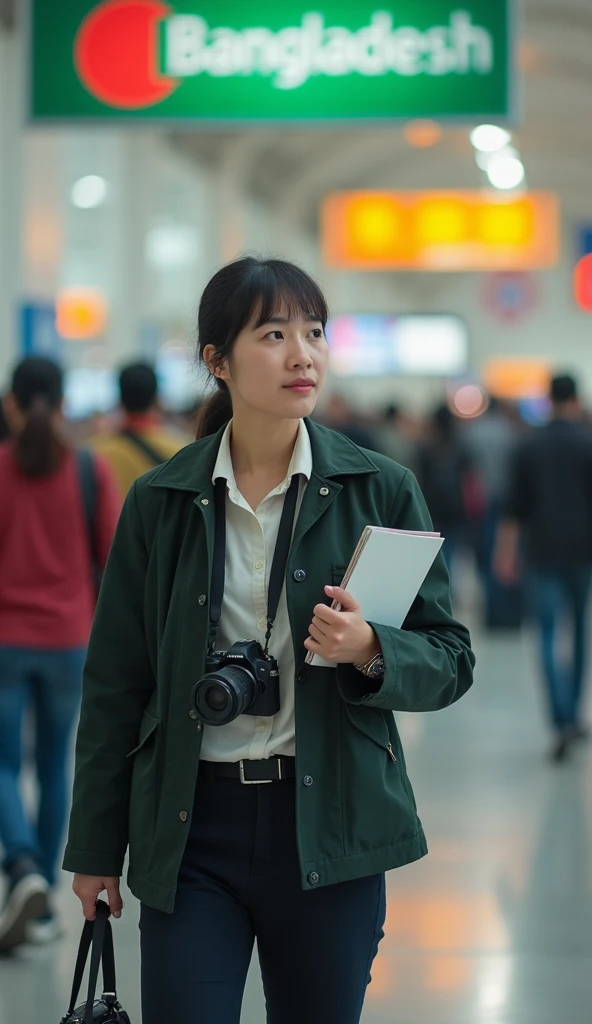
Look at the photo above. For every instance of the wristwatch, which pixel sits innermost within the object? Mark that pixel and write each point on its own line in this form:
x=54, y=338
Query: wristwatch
x=373, y=669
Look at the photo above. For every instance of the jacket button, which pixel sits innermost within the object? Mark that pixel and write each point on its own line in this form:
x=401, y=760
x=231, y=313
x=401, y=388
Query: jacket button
x=193, y=715
x=308, y=780
x=202, y=599
x=313, y=878
x=183, y=815
x=199, y=726
x=301, y=675
x=205, y=501
x=324, y=491
x=299, y=575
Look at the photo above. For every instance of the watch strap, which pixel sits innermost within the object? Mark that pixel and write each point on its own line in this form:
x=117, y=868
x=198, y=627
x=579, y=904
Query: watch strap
x=373, y=668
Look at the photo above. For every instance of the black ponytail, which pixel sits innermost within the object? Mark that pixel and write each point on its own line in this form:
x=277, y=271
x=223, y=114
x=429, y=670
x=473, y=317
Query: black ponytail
x=249, y=290
x=37, y=389
x=214, y=412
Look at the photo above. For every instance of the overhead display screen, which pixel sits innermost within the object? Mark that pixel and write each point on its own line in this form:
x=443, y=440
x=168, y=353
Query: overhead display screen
x=412, y=344
x=89, y=391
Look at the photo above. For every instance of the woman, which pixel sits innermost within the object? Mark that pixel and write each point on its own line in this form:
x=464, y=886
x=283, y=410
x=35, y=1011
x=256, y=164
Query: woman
x=217, y=857
x=46, y=605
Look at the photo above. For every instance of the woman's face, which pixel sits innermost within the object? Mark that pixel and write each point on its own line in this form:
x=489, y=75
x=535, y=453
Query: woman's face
x=278, y=368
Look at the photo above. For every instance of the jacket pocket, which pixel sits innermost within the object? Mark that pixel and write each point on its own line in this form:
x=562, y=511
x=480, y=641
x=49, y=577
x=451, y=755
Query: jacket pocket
x=148, y=726
x=337, y=574
x=376, y=809
x=371, y=723
x=144, y=791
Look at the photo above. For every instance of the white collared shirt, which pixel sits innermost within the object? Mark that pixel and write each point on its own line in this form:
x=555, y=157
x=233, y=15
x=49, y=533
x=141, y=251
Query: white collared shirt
x=250, y=545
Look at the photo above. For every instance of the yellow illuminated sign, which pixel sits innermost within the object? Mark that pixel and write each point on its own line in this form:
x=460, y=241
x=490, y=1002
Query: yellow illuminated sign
x=81, y=313
x=444, y=230
x=517, y=378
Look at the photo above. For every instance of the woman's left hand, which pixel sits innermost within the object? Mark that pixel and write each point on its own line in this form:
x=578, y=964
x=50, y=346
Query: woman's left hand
x=341, y=636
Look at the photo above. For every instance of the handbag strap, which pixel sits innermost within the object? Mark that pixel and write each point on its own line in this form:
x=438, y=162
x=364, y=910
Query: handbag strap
x=99, y=934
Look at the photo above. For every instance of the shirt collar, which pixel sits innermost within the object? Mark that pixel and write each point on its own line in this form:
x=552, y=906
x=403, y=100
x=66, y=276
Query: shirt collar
x=300, y=463
x=334, y=456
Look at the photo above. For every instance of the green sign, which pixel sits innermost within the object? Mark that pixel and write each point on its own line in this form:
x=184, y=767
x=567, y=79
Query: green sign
x=270, y=60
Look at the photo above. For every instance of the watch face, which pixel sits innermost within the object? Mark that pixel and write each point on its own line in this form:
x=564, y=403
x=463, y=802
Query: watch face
x=376, y=669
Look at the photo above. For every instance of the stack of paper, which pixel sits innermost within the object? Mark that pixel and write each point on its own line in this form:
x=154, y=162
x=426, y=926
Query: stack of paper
x=385, y=574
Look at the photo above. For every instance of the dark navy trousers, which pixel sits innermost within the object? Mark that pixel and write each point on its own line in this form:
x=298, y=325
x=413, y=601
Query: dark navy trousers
x=240, y=881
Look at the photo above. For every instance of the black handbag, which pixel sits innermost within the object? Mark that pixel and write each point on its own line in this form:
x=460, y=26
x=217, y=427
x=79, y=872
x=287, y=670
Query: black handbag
x=106, y=1010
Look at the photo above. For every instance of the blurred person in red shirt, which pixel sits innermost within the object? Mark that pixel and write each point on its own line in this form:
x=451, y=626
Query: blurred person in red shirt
x=48, y=550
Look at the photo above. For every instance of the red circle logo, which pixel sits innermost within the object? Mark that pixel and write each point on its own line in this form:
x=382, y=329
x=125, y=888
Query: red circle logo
x=116, y=54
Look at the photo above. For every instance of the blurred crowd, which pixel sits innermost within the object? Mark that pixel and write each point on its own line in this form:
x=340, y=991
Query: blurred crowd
x=513, y=498
x=463, y=467
x=516, y=499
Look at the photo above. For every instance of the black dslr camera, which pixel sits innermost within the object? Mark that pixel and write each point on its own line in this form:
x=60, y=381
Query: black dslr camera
x=242, y=681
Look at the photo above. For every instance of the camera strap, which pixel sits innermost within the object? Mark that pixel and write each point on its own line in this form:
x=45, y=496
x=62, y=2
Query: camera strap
x=278, y=566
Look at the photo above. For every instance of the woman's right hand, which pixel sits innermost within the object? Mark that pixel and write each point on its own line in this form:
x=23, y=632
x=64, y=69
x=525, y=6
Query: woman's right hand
x=88, y=888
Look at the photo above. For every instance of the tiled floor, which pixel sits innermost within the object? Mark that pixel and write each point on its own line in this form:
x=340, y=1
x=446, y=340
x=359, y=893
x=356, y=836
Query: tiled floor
x=494, y=927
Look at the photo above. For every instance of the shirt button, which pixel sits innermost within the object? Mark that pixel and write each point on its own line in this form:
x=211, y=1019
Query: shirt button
x=299, y=575
x=313, y=878
x=324, y=491
x=258, y=565
x=193, y=715
x=183, y=815
x=308, y=780
x=202, y=599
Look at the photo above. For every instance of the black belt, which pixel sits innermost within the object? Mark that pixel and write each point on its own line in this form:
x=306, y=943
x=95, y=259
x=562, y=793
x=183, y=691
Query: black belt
x=250, y=773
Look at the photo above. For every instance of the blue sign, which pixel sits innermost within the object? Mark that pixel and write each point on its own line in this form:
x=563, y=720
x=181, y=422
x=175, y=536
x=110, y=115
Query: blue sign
x=585, y=240
x=38, y=332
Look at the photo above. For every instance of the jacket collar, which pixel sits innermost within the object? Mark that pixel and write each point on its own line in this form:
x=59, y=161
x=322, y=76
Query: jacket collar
x=333, y=455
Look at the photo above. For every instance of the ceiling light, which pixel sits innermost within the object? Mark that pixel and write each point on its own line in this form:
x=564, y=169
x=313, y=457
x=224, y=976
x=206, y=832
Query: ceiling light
x=469, y=402
x=483, y=160
x=89, y=192
x=171, y=245
x=489, y=137
x=505, y=171
x=422, y=134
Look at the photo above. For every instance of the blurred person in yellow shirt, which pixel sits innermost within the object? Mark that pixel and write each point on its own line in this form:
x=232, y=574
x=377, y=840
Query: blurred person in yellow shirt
x=143, y=440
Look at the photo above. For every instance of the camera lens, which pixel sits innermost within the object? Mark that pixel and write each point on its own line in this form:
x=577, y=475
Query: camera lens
x=216, y=698
x=223, y=695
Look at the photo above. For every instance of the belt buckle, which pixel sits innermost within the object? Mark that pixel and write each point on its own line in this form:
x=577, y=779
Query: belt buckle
x=256, y=782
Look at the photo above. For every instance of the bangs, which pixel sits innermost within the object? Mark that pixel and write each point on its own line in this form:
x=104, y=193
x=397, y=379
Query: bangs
x=276, y=286
x=297, y=294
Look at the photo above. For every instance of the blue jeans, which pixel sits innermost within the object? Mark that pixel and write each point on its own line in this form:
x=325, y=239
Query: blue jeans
x=50, y=684
x=558, y=595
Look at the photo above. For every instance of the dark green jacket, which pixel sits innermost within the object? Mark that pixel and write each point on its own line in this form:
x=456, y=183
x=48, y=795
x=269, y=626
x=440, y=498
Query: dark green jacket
x=138, y=747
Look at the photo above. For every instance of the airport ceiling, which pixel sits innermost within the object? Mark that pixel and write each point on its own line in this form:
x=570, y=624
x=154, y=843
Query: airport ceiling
x=293, y=169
